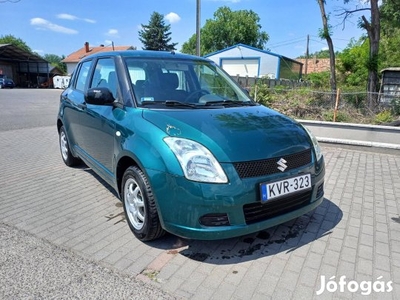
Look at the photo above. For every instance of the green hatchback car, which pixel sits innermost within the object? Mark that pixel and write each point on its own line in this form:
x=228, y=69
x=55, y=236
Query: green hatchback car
x=185, y=148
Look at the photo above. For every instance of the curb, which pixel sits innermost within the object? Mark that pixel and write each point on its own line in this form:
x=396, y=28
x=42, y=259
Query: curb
x=377, y=136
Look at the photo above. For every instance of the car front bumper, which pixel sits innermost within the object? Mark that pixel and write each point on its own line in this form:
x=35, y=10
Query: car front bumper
x=218, y=211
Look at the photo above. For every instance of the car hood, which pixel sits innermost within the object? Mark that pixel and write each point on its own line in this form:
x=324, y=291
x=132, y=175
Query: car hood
x=234, y=134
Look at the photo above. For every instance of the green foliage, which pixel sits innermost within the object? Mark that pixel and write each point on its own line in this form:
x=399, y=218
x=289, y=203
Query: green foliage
x=10, y=39
x=395, y=106
x=325, y=33
x=352, y=64
x=156, y=35
x=261, y=93
x=353, y=96
x=389, y=54
x=384, y=116
x=319, y=80
x=390, y=17
x=340, y=116
x=226, y=29
x=55, y=61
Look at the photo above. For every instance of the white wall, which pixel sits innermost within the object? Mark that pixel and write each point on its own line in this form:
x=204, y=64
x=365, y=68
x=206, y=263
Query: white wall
x=268, y=63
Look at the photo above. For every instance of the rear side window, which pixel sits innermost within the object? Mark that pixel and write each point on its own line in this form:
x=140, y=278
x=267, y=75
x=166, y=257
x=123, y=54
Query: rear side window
x=82, y=76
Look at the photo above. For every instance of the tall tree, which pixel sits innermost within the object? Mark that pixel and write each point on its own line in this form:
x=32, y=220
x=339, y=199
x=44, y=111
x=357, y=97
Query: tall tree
x=55, y=61
x=373, y=27
x=156, y=35
x=10, y=39
x=226, y=29
x=325, y=33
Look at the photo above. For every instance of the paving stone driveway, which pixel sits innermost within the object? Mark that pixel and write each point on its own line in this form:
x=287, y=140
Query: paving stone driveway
x=354, y=233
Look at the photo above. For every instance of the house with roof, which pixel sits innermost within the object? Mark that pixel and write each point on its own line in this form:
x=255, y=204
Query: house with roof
x=72, y=60
x=246, y=61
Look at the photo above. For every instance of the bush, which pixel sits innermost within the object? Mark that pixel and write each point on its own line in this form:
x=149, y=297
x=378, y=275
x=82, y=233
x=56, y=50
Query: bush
x=383, y=117
x=340, y=116
x=261, y=93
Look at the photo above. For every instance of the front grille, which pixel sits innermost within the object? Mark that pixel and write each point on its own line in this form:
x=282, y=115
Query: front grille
x=269, y=166
x=257, y=211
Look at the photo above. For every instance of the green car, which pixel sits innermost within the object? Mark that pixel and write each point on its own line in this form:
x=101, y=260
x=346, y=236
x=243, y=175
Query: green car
x=185, y=148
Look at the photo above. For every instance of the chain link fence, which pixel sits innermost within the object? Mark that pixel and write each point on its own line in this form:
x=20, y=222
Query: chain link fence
x=299, y=100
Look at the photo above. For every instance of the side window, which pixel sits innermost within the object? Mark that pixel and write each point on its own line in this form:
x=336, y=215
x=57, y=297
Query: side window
x=105, y=75
x=82, y=76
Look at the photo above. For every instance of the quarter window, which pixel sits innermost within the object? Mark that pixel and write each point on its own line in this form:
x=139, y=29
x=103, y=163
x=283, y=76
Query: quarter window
x=83, y=75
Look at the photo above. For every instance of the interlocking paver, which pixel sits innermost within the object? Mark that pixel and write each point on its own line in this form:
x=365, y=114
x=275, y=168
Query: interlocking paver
x=355, y=232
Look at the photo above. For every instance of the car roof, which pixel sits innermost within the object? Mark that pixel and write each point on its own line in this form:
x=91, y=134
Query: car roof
x=147, y=54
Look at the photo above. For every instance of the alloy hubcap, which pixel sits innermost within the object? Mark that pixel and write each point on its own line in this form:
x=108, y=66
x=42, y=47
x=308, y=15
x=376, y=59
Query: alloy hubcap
x=134, y=204
x=64, y=145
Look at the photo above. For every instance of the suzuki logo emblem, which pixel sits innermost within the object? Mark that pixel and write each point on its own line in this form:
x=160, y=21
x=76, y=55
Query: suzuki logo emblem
x=282, y=164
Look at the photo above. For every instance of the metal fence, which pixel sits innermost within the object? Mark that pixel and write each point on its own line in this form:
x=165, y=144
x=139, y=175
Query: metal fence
x=324, y=99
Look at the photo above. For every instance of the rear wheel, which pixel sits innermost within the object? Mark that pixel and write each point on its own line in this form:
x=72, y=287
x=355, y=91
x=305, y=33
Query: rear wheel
x=66, y=154
x=139, y=205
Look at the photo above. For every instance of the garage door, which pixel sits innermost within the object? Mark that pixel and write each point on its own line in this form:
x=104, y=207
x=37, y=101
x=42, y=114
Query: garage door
x=241, y=67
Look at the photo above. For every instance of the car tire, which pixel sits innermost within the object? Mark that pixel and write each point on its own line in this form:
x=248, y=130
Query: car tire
x=139, y=205
x=66, y=154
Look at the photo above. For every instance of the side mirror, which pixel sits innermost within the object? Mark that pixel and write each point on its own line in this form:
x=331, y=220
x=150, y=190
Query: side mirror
x=99, y=96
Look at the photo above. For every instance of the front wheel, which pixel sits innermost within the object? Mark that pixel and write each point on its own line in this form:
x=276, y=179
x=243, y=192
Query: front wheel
x=139, y=205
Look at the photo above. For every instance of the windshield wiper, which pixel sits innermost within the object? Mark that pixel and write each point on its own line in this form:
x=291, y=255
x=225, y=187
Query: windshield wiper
x=230, y=103
x=178, y=103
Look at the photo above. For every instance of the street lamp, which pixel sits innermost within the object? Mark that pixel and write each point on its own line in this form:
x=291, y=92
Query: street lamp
x=198, y=27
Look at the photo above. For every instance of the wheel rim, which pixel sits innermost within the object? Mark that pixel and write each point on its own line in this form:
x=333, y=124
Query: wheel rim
x=134, y=204
x=64, y=145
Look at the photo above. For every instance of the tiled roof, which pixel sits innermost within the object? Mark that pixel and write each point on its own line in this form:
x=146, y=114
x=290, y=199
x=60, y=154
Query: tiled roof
x=88, y=50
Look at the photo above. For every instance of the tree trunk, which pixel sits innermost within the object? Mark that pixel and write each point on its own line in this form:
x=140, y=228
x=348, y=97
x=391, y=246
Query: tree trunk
x=326, y=35
x=373, y=30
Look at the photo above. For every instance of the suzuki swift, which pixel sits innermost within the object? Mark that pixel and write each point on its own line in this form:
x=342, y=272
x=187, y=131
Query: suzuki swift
x=184, y=146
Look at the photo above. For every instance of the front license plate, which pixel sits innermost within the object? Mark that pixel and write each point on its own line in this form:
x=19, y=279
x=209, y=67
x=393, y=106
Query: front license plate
x=285, y=187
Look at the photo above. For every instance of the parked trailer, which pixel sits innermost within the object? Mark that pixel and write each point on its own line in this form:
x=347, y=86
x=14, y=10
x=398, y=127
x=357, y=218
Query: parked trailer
x=61, y=82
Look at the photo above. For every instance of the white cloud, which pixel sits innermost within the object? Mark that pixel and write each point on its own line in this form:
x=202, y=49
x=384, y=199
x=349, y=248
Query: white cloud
x=73, y=18
x=67, y=17
x=172, y=17
x=43, y=24
x=112, y=32
x=89, y=21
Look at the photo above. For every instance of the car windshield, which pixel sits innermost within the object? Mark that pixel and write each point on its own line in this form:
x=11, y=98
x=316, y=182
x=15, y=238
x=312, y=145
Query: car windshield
x=183, y=83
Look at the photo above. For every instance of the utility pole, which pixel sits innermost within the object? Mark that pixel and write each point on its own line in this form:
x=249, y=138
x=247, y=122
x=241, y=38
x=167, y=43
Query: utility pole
x=307, y=53
x=198, y=27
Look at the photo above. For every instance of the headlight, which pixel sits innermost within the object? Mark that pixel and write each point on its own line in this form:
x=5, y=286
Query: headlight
x=197, y=162
x=317, y=148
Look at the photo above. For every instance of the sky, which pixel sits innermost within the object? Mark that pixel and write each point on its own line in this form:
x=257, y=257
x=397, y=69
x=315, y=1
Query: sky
x=62, y=27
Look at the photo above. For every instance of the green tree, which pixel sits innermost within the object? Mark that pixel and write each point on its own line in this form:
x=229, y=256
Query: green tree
x=390, y=17
x=55, y=61
x=390, y=37
x=156, y=35
x=372, y=24
x=353, y=62
x=10, y=39
x=226, y=29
